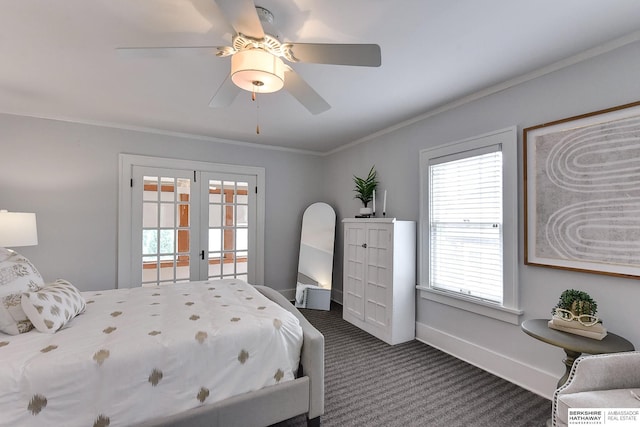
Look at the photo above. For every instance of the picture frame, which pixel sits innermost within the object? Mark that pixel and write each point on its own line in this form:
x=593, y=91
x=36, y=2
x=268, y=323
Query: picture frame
x=582, y=192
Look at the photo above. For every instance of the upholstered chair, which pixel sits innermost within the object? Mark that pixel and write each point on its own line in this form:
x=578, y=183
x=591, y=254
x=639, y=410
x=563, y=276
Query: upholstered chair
x=599, y=381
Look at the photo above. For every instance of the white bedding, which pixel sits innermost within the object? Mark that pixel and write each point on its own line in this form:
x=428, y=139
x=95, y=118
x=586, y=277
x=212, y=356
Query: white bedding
x=143, y=353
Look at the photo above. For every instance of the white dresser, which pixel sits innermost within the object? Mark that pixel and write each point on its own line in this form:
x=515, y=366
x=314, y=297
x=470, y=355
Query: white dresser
x=379, y=279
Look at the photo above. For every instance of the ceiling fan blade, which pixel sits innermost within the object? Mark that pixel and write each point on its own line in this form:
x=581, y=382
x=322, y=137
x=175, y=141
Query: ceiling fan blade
x=304, y=93
x=226, y=94
x=242, y=16
x=168, y=51
x=364, y=55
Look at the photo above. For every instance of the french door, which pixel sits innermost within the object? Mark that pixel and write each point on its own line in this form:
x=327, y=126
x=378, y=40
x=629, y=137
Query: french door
x=189, y=225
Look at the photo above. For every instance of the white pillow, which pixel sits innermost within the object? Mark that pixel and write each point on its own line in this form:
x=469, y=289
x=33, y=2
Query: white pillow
x=17, y=275
x=53, y=306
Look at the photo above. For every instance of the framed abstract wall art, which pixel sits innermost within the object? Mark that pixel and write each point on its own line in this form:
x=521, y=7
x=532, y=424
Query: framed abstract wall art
x=582, y=192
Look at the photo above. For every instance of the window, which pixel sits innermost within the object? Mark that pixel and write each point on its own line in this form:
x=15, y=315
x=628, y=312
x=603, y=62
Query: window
x=468, y=238
x=465, y=224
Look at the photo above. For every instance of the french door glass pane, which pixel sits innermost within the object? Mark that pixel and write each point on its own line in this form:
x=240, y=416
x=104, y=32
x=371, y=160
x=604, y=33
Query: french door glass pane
x=215, y=240
x=242, y=215
x=215, y=215
x=242, y=239
x=167, y=245
x=167, y=216
x=150, y=214
x=149, y=242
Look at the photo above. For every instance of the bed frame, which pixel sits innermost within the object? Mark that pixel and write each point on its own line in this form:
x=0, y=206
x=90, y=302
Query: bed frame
x=270, y=405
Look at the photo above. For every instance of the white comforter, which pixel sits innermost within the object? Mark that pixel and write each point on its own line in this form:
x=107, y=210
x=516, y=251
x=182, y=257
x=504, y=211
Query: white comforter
x=142, y=353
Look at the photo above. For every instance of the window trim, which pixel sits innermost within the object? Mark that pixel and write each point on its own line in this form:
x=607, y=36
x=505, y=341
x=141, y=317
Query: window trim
x=508, y=311
x=126, y=162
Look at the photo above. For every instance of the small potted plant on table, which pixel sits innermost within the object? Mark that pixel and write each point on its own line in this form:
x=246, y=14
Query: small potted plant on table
x=575, y=313
x=577, y=302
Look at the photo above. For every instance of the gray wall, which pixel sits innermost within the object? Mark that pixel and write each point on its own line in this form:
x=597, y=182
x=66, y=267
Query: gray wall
x=605, y=81
x=68, y=174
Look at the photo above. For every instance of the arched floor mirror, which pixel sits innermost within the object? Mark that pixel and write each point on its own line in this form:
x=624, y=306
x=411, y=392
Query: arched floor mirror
x=315, y=264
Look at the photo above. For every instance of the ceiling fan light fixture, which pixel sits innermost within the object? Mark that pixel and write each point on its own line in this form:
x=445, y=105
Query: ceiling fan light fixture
x=257, y=70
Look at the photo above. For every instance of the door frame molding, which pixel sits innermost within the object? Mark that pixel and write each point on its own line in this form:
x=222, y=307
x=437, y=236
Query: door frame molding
x=126, y=162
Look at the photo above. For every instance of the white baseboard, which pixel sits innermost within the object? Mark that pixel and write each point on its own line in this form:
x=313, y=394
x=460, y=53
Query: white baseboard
x=528, y=377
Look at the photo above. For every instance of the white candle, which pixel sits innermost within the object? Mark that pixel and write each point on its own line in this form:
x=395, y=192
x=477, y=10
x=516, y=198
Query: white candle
x=384, y=203
x=374, y=201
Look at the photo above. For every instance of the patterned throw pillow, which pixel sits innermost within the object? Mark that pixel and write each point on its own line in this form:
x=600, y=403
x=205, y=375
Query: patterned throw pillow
x=17, y=275
x=53, y=306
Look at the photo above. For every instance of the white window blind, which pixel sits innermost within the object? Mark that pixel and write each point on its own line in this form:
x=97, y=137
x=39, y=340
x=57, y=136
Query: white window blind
x=465, y=220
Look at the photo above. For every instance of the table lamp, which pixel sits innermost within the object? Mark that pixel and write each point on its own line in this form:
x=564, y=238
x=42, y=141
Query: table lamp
x=17, y=229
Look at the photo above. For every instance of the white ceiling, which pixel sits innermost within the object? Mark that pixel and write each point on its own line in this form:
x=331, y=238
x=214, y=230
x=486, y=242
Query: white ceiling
x=58, y=60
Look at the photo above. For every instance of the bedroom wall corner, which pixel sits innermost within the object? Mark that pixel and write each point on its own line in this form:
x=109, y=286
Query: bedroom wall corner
x=67, y=173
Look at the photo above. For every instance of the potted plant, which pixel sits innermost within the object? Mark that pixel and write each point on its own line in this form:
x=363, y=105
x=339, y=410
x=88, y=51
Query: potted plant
x=577, y=302
x=364, y=189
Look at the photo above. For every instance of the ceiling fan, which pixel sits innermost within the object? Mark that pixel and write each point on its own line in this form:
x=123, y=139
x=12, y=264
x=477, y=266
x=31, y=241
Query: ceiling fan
x=257, y=57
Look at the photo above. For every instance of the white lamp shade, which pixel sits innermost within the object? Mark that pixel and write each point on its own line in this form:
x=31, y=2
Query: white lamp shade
x=256, y=70
x=18, y=229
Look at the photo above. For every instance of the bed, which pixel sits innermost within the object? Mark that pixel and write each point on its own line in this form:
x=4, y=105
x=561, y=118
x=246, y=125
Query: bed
x=210, y=353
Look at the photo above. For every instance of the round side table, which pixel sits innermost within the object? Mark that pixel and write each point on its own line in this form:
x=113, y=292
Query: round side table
x=574, y=345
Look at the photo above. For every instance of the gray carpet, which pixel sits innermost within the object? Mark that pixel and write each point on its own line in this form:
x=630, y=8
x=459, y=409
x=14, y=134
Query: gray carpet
x=370, y=383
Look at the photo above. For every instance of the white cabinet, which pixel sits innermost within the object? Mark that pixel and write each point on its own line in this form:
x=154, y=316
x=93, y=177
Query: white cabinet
x=379, y=277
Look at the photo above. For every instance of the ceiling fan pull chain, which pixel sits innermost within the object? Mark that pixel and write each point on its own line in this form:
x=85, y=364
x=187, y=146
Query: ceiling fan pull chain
x=254, y=97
